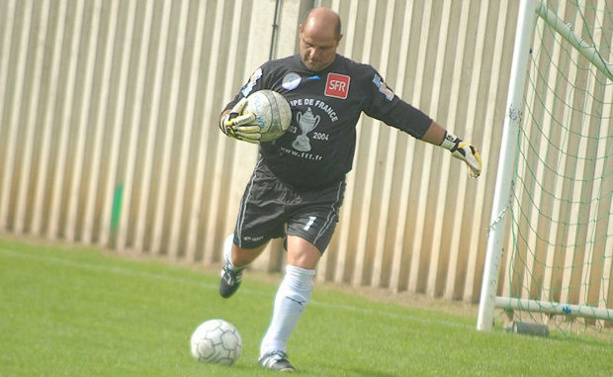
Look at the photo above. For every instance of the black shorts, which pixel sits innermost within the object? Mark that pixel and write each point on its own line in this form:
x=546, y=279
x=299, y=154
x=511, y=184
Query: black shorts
x=272, y=209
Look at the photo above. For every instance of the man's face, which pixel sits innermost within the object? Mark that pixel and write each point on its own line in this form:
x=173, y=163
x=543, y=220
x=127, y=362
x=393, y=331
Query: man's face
x=318, y=46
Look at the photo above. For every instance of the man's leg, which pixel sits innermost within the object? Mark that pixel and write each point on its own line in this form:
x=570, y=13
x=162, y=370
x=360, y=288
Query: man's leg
x=292, y=297
x=236, y=259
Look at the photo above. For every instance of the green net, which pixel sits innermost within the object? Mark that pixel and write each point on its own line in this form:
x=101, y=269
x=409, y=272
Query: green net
x=559, y=257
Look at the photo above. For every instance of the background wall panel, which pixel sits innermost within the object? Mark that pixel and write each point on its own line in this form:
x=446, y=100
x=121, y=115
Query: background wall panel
x=108, y=135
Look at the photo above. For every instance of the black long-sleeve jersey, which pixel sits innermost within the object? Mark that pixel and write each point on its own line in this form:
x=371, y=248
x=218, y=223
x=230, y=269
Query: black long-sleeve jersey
x=319, y=146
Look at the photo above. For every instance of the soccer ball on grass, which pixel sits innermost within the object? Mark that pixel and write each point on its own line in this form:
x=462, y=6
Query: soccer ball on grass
x=272, y=112
x=216, y=341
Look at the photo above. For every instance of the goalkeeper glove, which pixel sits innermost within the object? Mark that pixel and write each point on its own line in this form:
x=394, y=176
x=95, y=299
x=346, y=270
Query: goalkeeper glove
x=464, y=151
x=241, y=125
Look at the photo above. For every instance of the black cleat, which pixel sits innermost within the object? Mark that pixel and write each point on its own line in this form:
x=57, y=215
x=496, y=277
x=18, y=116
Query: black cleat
x=230, y=281
x=277, y=360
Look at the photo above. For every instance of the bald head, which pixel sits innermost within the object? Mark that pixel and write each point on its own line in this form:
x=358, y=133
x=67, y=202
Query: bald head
x=324, y=19
x=319, y=38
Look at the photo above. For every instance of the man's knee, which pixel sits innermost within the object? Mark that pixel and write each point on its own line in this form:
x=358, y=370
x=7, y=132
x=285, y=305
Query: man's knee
x=301, y=253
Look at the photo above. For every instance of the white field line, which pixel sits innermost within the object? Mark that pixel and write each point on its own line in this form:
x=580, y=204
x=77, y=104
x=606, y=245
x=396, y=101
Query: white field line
x=187, y=281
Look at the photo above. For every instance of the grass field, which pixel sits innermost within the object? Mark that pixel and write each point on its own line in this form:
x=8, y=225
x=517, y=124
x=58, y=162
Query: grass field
x=75, y=311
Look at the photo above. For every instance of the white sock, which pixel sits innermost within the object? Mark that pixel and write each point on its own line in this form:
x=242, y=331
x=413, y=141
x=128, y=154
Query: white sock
x=227, y=252
x=292, y=297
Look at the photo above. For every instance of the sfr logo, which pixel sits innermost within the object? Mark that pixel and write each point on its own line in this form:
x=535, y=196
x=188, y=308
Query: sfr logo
x=337, y=85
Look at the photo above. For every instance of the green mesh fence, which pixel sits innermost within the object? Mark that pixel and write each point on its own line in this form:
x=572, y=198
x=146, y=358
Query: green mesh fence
x=559, y=256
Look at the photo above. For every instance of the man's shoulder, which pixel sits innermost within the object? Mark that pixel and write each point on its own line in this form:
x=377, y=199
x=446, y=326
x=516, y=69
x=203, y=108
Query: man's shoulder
x=285, y=62
x=352, y=65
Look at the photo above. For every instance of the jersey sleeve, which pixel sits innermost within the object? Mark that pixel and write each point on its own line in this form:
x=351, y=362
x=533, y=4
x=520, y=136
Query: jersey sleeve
x=255, y=83
x=383, y=104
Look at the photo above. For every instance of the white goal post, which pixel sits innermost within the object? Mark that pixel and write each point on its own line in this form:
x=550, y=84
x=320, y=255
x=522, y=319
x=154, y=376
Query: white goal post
x=531, y=11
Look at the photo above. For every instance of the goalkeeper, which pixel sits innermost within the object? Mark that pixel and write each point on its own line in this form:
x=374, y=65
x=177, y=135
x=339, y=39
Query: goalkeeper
x=298, y=183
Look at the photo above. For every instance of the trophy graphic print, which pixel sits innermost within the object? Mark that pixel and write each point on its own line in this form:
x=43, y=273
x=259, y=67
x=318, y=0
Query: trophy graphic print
x=307, y=122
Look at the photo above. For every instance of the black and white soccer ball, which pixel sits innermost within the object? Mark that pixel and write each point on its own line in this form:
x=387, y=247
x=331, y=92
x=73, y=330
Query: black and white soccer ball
x=216, y=341
x=273, y=113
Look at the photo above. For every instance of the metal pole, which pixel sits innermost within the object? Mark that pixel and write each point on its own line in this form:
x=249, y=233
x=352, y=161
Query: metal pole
x=275, y=30
x=504, y=180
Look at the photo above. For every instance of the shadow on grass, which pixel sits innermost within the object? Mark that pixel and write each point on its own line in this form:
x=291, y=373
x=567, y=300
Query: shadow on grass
x=347, y=371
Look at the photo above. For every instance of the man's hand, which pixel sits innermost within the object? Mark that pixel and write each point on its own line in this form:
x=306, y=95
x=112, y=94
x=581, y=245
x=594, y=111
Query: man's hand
x=240, y=125
x=464, y=151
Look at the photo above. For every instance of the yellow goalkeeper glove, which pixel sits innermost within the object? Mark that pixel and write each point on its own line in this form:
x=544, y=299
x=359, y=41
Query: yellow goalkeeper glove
x=464, y=151
x=241, y=125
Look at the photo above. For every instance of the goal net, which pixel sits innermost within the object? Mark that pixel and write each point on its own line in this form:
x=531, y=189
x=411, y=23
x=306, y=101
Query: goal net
x=552, y=260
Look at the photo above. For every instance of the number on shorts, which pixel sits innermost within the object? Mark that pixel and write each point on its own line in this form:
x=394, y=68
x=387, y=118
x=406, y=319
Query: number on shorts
x=309, y=223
